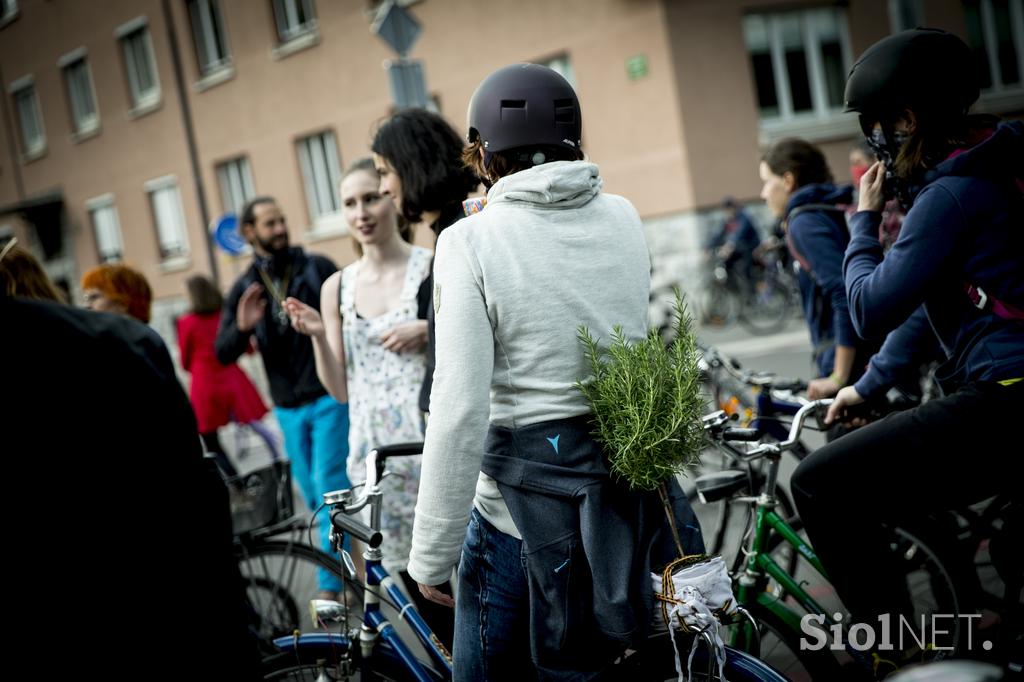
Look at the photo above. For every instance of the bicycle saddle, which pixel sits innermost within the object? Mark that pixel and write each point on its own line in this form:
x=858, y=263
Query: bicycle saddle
x=720, y=485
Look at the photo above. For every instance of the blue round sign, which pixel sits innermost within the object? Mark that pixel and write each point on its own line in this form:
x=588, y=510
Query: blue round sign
x=225, y=233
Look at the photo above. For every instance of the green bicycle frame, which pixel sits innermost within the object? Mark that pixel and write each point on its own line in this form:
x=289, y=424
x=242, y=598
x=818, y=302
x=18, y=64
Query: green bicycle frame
x=761, y=565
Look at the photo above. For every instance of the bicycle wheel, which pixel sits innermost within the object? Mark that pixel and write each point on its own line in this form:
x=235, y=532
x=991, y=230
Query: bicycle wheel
x=780, y=649
x=934, y=590
x=656, y=662
x=718, y=307
x=280, y=578
x=321, y=662
x=766, y=310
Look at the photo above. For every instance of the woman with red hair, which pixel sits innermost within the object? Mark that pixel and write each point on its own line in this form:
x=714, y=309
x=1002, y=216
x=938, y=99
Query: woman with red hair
x=117, y=288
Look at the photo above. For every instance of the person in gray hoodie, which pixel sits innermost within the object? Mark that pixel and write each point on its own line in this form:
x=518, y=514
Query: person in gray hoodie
x=553, y=578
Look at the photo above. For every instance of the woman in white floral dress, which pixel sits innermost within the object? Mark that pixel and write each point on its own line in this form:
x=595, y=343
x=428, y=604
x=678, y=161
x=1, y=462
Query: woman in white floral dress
x=368, y=343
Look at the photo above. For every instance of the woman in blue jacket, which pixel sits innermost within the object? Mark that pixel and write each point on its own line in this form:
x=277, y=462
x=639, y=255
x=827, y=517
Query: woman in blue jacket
x=959, y=257
x=798, y=189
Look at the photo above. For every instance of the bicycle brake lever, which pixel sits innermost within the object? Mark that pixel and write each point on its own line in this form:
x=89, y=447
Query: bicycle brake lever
x=350, y=566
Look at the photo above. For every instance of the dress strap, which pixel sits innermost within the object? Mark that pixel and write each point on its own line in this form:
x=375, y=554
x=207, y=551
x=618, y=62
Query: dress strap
x=415, y=272
x=347, y=290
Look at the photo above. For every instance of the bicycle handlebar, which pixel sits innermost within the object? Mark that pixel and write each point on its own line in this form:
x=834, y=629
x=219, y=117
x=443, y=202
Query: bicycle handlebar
x=715, y=424
x=342, y=500
x=357, y=529
x=747, y=435
x=378, y=456
x=714, y=359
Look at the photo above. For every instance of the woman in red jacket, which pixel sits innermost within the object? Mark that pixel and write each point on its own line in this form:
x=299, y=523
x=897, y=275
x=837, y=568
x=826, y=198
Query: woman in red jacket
x=219, y=393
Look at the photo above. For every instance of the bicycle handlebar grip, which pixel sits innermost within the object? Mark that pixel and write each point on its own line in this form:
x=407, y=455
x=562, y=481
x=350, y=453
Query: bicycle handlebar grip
x=747, y=435
x=395, y=450
x=357, y=529
x=794, y=385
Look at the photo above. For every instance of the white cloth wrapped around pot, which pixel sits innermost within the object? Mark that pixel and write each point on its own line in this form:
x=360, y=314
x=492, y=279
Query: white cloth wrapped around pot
x=691, y=598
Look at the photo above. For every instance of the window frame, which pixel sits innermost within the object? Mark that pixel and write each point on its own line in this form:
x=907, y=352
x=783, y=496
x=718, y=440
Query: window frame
x=896, y=14
x=245, y=181
x=163, y=184
x=568, y=71
x=141, y=102
x=102, y=203
x=325, y=223
x=991, y=47
x=9, y=11
x=30, y=150
x=65, y=63
x=211, y=23
x=288, y=34
x=822, y=121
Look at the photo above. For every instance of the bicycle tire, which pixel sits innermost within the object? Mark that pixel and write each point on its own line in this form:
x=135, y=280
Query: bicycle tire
x=763, y=316
x=656, y=662
x=280, y=577
x=932, y=585
x=314, y=662
x=780, y=649
x=718, y=307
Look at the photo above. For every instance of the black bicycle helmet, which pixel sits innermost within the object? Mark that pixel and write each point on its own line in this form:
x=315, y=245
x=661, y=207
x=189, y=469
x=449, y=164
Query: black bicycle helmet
x=525, y=105
x=924, y=69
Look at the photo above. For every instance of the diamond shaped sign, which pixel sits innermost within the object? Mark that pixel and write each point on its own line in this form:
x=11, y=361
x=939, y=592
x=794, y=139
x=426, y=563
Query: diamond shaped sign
x=396, y=27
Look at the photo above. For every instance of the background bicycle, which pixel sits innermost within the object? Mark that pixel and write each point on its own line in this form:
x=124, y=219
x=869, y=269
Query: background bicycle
x=762, y=304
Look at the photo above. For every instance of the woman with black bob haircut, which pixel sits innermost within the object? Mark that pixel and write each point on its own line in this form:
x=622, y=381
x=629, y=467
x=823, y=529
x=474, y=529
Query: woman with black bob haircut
x=419, y=159
x=960, y=257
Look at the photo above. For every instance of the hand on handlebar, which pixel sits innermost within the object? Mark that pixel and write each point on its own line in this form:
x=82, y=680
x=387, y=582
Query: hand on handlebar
x=821, y=388
x=847, y=397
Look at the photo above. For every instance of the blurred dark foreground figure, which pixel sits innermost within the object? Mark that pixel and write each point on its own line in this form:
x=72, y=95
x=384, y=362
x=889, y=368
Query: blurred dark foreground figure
x=124, y=550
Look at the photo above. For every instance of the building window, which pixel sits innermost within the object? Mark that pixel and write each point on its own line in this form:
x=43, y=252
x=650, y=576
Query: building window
x=995, y=30
x=140, y=64
x=165, y=202
x=30, y=119
x=294, y=18
x=321, y=171
x=799, y=62
x=8, y=11
x=106, y=228
x=235, y=180
x=208, y=35
x=563, y=67
x=905, y=15
x=85, y=117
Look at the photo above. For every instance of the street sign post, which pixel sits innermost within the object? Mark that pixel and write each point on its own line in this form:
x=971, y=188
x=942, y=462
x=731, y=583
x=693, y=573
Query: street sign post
x=396, y=27
x=408, y=87
x=400, y=30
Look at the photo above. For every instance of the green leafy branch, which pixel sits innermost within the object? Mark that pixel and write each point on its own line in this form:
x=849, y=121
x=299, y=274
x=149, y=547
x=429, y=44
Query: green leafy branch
x=646, y=403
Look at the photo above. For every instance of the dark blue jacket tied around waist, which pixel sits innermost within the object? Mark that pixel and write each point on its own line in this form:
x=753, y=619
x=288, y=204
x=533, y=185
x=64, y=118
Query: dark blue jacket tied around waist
x=589, y=543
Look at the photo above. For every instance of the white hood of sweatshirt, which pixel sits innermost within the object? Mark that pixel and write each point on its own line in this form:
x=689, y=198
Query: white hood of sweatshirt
x=559, y=184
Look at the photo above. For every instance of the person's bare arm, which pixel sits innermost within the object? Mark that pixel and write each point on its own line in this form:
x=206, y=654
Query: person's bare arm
x=325, y=329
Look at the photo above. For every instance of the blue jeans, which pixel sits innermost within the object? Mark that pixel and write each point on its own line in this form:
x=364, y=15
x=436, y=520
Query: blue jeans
x=492, y=616
x=316, y=440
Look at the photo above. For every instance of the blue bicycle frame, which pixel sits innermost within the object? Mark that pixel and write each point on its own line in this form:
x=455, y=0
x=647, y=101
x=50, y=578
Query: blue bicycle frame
x=377, y=628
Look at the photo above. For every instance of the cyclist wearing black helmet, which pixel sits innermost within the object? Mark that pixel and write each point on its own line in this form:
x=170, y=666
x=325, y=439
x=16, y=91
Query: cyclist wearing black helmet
x=553, y=578
x=960, y=254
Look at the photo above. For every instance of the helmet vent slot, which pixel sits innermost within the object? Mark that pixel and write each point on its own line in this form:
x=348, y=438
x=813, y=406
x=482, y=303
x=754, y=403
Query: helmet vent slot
x=513, y=110
x=565, y=111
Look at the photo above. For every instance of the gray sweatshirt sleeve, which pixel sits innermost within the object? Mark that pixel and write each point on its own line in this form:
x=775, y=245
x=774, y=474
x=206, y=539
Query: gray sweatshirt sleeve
x=460, y=411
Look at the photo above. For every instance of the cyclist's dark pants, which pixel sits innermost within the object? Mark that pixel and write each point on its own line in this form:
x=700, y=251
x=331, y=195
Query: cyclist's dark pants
x=945, y=454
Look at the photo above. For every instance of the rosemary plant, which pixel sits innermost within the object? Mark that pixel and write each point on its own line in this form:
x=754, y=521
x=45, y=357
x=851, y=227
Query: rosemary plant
x=646, y=404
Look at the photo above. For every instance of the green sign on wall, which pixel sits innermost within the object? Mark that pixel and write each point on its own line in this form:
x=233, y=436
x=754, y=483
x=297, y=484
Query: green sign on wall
x=637, y=67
